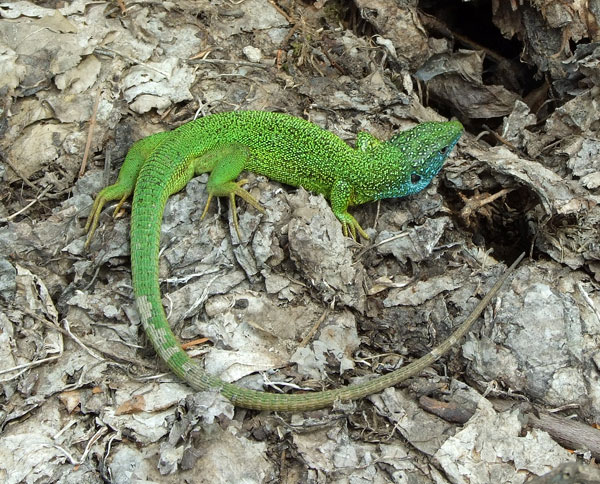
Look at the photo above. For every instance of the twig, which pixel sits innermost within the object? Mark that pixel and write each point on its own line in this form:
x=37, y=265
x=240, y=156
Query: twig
x=33, y=202
x=282, y=12
x=227, y=61
x=122, y=6
x=194, y=342
x=116, y=359
x=314, y=329
x=88, y=143
x=19, y=174
x=474, y=204
x=390, y=239
x=27, y=365
x=588, y=300
x=79, y=342
x=91, y=442
x=568, y=433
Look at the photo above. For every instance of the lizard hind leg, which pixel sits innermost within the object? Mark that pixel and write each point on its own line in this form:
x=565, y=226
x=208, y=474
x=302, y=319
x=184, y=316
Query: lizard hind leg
x=225, y=164
x=123, y=188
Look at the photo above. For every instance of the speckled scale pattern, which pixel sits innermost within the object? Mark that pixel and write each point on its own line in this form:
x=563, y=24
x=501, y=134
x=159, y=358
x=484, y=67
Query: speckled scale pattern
x=287, y=149
x=280, y=145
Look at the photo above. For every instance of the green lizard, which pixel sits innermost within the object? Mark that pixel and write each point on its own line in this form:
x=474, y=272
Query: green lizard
x=283, y=148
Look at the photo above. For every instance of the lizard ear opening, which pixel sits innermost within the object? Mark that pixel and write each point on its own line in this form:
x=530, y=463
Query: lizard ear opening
x=415, y=178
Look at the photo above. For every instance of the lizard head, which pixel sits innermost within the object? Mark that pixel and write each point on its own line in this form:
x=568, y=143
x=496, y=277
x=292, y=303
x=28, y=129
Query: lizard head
x=413, y=157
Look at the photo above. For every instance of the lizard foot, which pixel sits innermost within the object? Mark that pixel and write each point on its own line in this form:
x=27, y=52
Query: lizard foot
x=232, y=189
x=350, y=226
x=107, y=194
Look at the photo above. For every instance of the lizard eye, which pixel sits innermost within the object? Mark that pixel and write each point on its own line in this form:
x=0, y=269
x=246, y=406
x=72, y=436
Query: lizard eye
x=414, y=178
x=444, y=150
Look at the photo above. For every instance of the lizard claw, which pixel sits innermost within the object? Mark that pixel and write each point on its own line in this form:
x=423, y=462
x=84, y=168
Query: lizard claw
x=208, y=200
x=350, y=226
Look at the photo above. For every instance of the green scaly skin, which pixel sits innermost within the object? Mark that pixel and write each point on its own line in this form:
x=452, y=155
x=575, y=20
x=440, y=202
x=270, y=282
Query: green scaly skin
x=292, y=151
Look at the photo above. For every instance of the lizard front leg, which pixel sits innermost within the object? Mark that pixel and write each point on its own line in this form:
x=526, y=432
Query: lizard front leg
x=340, y=196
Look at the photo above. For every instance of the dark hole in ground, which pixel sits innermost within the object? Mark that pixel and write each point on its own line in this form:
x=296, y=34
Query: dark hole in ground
x=501, y=224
